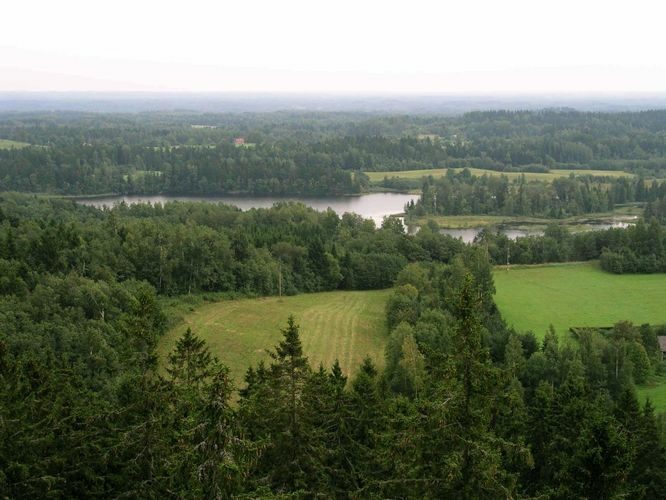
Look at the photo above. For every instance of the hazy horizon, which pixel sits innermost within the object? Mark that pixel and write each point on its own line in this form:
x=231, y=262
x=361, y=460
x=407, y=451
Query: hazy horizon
x=383, y=103
x=385, y=48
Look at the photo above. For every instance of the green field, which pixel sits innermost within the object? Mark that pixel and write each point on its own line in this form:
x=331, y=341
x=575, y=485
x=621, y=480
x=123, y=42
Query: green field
x=343, y=325
x=579, y=294
x=574, y=223
x=438, y=172
x=7, y=144
x=655, y=389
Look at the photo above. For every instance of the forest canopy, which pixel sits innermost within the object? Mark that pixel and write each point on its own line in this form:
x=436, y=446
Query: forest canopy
x=309, y=153
x=463, y=406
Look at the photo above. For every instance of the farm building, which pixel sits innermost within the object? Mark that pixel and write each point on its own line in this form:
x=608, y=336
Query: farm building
x=239, y=141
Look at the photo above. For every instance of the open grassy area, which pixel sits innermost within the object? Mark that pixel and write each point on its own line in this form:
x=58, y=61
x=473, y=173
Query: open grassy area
x=475, y=221
x=655, y=389
x=7, y=144
x=343, y=325
x=578, y=294
x=573, y=223
x=438, y=172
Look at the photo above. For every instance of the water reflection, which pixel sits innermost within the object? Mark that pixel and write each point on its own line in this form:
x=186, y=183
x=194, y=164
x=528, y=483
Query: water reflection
x=468, y=235
x=373, y=206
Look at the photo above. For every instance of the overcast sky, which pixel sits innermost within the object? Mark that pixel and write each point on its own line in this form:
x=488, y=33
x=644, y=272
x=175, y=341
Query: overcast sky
x=365, y=46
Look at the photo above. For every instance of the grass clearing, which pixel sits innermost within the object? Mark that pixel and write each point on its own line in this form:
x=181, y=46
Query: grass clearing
x=530, y=176
x=7, y=144
x=655, y=389
x=476, y=221
x=577, y=294
x=576, y=223
x=343, y=325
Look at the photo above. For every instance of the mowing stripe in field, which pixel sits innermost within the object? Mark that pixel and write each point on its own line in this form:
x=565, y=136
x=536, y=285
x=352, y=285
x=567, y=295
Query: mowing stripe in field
x=343, y=325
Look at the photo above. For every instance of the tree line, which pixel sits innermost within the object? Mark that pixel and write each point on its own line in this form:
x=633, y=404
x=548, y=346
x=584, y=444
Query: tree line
x=461, y=193
x=198, y=247
x=308, y=153
x=638, y=248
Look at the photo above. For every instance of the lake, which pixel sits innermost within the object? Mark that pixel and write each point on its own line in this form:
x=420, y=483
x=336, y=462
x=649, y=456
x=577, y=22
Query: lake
x=468, y=235
x=373, y=206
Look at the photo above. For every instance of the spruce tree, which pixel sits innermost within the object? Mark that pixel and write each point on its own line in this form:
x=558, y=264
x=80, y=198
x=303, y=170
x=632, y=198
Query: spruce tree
x=275, y=416
x=190, y=363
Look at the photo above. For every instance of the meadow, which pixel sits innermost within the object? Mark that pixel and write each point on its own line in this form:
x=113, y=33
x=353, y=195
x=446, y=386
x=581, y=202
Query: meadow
x=574, y=223
x=346, y=326
x=7, y=144
x=439, y=172
x=577, y=294
x=655, y=389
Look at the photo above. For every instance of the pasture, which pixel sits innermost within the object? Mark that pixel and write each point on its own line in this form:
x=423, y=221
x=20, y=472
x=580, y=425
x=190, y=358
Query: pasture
x=655, y=389
x=439, y=172
x=575, y=223
x=577, y=294
x=343, y=325
x=7, y=144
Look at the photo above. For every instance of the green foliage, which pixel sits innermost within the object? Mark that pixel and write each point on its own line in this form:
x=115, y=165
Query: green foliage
x=189, y=364
x=276, y=416
x=641, y=250
x=465, y=194
x=413, y=365
x=641, y=367
x=186, y=248
x=402, y=306
x=638, y=248
x=311, y=153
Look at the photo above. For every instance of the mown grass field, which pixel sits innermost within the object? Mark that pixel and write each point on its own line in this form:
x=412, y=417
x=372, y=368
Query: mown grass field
x=655, y=389
x=572, y=223
x=343, y=325
x=578, y=294
x=438, y=172
x=7, y=144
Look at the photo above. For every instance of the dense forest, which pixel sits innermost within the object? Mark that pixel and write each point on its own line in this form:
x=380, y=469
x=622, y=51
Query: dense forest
x=465, y=406
x=192, y=247
x=639, y=248
x=463, y=194
x=308, y=153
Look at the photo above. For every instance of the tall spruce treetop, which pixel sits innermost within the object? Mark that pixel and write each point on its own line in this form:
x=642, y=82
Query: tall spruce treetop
x=276, y=414
x=473, y=456
x=191, y=363
x=290, y=349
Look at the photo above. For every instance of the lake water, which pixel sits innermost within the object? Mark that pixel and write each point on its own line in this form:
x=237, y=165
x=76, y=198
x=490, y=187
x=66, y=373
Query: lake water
x=468, y=235
x=373, y=206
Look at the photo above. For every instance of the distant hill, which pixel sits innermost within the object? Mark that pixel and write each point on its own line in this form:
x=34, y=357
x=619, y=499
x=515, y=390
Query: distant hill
x=450, y=104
